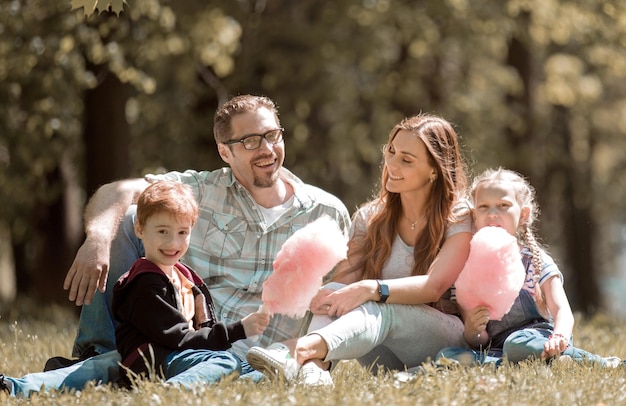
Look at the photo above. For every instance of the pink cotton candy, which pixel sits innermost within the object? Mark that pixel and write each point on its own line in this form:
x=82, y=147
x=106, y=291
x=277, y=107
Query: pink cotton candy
x=303, y=260
x=493, y=274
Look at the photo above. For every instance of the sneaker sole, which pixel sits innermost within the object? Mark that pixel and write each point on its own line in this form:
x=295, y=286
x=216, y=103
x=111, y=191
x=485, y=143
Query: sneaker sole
x=265, y=364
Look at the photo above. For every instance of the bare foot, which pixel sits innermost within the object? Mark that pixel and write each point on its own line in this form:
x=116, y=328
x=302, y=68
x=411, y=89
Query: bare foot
x=312, y=347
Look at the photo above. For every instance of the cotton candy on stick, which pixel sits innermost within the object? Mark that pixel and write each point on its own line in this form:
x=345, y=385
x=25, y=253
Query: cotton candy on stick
x=493, y=274
x=303, y=260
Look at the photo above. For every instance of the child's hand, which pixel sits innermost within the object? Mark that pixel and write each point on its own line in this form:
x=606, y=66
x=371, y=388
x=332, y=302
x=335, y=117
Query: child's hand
x=476, y=321
x=556, y=344
x=475, y=326
x=255, y=323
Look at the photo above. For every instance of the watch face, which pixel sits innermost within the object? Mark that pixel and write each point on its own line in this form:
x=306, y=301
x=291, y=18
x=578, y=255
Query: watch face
x=383, y=292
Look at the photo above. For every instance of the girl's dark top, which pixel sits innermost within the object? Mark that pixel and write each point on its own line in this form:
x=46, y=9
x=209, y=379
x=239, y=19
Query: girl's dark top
x=145, y=307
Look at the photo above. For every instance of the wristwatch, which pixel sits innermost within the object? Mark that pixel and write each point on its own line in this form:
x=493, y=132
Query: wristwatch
x=383, y=291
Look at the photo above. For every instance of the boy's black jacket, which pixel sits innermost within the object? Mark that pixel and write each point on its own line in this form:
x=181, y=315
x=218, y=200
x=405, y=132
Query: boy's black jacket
x=145, y=307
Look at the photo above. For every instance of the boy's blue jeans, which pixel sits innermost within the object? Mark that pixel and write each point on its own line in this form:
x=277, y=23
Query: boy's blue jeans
x=190, y=367
x=193, y=367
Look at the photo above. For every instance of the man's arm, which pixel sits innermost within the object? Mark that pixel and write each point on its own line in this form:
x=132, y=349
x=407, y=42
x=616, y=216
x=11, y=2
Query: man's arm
x=103, y=215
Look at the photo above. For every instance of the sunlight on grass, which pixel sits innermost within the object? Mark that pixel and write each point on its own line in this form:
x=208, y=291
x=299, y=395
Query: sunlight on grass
x=27, y=341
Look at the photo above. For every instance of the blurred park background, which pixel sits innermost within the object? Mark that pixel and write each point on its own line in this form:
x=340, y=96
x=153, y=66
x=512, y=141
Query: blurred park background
x=537, y=86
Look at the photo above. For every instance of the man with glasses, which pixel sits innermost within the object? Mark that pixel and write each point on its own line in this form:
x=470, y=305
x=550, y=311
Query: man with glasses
x=253, y=141
x=247, y=211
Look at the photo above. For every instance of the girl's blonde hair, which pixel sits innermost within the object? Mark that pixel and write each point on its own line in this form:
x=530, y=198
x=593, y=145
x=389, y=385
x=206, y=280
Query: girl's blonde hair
x=526, y=197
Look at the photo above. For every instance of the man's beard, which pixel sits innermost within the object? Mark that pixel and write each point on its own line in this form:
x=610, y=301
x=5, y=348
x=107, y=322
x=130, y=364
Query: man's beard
x=266, y=181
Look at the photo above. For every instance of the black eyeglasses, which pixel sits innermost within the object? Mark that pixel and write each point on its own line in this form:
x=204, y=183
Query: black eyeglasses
x=253, y=141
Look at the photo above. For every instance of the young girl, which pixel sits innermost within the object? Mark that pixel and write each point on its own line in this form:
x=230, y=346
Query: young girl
x=540, y=322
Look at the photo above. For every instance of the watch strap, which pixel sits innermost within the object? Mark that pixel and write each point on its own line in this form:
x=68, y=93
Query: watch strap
x=383, y=291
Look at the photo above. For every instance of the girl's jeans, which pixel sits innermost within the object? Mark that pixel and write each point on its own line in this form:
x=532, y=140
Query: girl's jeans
x=520, y=345
x=520, y=335
x=393, y=336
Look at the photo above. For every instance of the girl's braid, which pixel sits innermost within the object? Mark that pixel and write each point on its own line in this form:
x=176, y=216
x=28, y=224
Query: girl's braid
x=530, y=241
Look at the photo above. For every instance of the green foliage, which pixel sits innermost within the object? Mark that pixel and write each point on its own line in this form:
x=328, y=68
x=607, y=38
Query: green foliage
x=42, y=74
x=534, y=85
x=91, y=6
x=29, y=336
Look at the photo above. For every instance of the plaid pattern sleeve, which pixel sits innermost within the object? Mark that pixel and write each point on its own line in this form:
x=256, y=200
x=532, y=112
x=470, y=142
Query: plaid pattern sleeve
x=232, y=249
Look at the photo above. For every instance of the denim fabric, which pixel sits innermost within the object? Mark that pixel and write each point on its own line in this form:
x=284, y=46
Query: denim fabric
x=520, y=335
x=247, y=372
x=233, y=249
x=230, y=247
x=528, y=343
x=402, y=336
x=190, y=368
x=184, y=368
x=523, y=313
x=467, y=356
x=99, y=369
x=96, y=326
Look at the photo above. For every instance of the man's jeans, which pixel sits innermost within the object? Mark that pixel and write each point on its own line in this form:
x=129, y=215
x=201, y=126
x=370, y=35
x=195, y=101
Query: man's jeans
x=185, y=368
x=96, y=326
x=99, y=369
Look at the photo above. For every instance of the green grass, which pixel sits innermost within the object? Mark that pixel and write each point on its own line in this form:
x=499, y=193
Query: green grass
x=30, y=335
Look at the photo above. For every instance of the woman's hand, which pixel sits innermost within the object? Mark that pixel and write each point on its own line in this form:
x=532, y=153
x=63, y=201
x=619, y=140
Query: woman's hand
x=320, y=302
x=339, y=302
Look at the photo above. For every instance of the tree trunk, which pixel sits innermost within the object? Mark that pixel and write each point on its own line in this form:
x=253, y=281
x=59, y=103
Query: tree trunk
x=58, y=225
x=7, y=266
x=106, y=131
x=577, y=221
x=57, y=232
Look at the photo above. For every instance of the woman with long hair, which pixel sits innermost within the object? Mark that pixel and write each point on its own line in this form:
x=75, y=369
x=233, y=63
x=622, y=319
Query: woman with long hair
x=389, y=302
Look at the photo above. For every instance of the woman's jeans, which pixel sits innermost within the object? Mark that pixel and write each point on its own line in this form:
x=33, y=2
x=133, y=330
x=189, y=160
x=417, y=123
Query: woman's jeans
x=393, y=336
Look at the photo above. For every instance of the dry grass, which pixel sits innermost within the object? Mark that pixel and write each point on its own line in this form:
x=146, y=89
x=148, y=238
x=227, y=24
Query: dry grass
x=27, y=341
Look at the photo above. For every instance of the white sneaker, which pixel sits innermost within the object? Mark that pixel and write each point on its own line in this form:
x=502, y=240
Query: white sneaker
x=274, y=361
x=312, y=375
x=403, y=377
x=613, y=362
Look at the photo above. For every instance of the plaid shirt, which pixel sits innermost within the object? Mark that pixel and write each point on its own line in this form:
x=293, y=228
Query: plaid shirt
x=232, y=249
